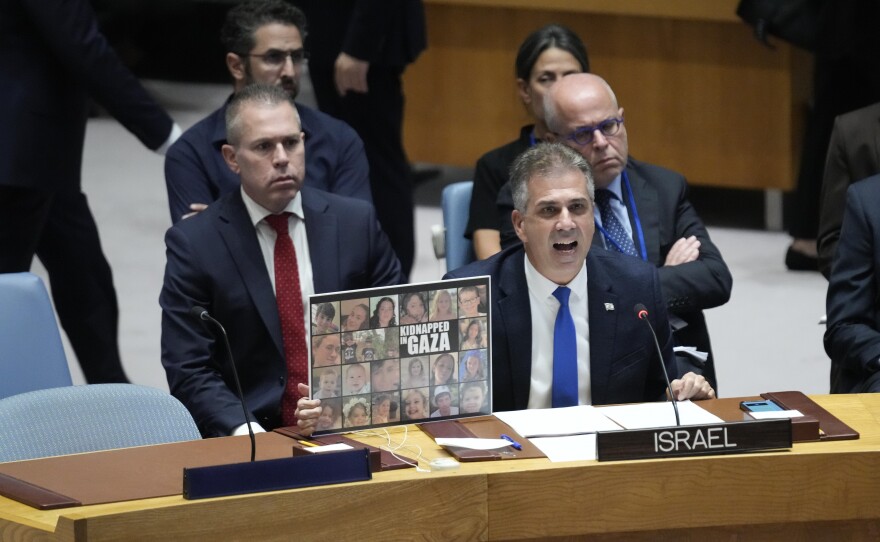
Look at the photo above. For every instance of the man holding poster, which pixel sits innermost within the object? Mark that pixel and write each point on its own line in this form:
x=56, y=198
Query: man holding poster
x=251, y=260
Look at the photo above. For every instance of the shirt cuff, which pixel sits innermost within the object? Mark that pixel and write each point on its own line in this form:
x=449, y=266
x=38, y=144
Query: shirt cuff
x=242, y=429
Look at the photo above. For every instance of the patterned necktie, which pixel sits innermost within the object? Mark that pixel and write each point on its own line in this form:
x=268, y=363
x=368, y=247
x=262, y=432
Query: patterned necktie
x=288, y=297
x=622, y=241
x=565, y=377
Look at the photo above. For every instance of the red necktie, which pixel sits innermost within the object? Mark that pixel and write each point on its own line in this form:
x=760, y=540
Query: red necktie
x=288, y=296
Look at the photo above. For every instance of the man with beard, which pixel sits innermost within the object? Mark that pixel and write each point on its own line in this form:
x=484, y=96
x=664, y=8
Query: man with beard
x=264, y=44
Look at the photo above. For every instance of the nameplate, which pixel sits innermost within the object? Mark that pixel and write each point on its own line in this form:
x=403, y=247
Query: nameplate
x=694, y=440
x=276, y=474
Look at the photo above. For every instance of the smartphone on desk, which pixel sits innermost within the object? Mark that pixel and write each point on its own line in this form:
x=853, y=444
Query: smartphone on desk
x=759, y=406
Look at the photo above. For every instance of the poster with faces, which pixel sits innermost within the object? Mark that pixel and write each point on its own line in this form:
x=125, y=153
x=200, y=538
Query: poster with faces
x=401, y=354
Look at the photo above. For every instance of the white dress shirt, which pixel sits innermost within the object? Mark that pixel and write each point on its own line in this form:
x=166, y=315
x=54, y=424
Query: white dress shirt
x=297, y=228
x=266, y=236
x=544, y=308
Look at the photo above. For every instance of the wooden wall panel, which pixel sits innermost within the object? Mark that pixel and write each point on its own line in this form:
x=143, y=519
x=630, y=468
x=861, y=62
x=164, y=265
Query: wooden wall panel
x=701, y=96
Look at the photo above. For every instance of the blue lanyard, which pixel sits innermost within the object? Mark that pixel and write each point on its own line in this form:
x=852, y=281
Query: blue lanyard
x=635, y=214
x=532, y=140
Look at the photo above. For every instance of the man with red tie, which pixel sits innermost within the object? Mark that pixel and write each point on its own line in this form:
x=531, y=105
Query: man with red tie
x=252, y=259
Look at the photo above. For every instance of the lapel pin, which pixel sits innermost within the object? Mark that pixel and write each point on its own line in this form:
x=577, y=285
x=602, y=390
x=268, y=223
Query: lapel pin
x=609, y=306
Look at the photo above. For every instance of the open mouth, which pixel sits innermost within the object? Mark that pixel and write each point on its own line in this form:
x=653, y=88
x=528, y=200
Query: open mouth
x=565, y=247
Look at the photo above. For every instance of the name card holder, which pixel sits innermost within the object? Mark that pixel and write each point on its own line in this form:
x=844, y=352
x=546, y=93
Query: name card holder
x=276, y=474
x=694, y=440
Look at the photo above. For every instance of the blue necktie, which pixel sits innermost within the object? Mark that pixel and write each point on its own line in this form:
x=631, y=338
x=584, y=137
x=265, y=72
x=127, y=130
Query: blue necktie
x=565, y=377
x=622, y=241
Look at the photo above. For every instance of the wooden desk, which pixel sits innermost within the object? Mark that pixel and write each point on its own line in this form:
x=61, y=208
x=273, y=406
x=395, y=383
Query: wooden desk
x=824, y=490
x=701, y=95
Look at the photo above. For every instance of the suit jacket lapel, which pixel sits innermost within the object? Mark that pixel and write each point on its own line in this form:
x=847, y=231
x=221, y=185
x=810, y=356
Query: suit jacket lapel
x=515, y=317
x=234, y=225
x=648, y=209
x=323, y=237
x=603, y=327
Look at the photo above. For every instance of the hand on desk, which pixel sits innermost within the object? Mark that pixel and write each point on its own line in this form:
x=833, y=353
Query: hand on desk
x=307, y=411
x=692, y=386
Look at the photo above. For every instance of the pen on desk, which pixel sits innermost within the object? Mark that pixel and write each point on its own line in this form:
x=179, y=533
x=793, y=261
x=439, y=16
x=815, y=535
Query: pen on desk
x=516, y=445
x=307, y=443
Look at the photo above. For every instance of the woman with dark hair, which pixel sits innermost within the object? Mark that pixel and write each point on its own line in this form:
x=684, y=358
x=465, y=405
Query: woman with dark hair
x=357, y=318
x=545, y=56
x=383, y=315
x=413, y=309
x=473, y=336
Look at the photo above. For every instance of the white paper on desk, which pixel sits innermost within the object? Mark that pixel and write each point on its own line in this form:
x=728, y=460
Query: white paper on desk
x=557, y=421
x=647, y=415
x=575, y=448
x=474, y=443
x=339, y=446
x=776, y=414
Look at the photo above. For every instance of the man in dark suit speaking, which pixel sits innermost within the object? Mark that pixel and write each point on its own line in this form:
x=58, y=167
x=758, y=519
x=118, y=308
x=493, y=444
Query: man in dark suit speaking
x=563, y=328
x=252, y=259
x=54, y=61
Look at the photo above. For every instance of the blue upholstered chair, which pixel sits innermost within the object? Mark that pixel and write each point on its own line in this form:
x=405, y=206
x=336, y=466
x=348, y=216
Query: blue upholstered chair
x=456, y=202
x=76, y=419
x=31, y=354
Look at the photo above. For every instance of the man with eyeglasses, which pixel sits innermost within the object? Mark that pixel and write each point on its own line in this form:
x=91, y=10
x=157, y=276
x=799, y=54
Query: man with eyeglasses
x=563, y=330
x=264, y=43
x=642, y=209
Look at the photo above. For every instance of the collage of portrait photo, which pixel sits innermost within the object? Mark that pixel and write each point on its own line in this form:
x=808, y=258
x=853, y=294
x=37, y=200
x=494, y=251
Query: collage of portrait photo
x=402, y=354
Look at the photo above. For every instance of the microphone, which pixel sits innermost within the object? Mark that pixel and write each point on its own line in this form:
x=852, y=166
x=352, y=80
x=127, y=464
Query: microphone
x=270, y=474
x=202, y=314
x=642, y=314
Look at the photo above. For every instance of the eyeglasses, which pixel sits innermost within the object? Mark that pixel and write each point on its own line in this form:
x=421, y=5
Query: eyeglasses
x=469, y=300
x=584, y=135
x=275, y=58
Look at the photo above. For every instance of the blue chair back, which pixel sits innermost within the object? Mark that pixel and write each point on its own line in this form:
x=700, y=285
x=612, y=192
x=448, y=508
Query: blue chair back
x=456, y=203
x=77, y=419
x=31, y=354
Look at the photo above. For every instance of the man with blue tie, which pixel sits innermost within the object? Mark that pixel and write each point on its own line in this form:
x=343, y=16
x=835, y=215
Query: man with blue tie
x=563, y=328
